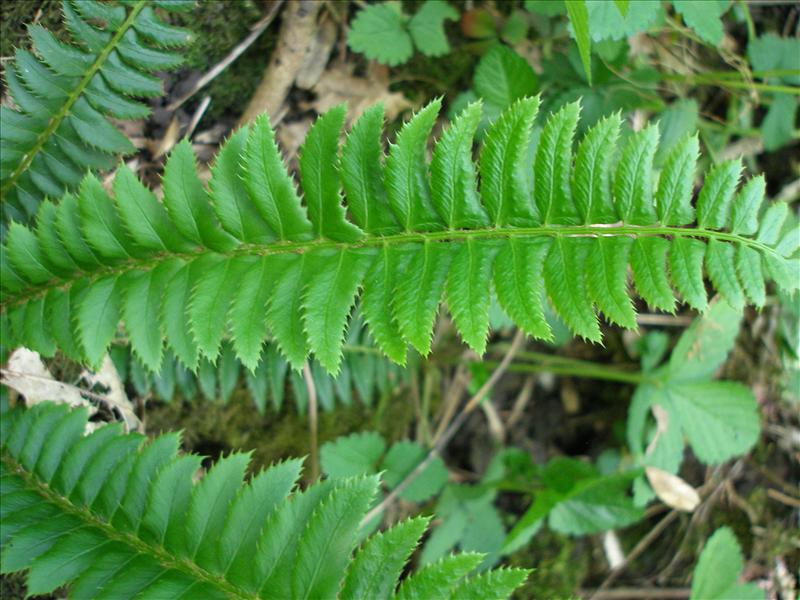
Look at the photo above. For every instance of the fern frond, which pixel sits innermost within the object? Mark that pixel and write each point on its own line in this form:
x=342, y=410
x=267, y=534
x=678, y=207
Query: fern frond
x=65, y=94
x=252, y=259
x=116, y=516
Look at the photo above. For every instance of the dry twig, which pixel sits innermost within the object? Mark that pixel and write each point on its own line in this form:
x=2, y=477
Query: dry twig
x=448, y=434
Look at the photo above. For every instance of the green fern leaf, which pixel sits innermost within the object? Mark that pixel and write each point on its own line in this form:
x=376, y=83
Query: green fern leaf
x=65, y=93
x=329, y=298
x=49, y=241
x=271, y=189
x=264, y=269
x=434, y=581
x=249, y=510
x=284, y=314
x=377, y=565
x=503, y=161
x=720, y=266
x=407, y=173
x=713, y=202
x=591, y=176
x=69, y=231
x=211, y=301
x=173, y=312
x=633, y=192
x=744, y=211
x=102, y=226
x=237, y=215
x=156, y=455
x=318, y=171
x=607, y=279
x=552, y=167
x=648, y=257
x=453, y=177
x=376, y=303
x=142, y=292
x=771, y=223
x=468, y=292
x=248, y=310
x=673, y=199
x=26, y=255
x=208, y=509
x=143, y=217
x=564, y=276
x=329, y=539
x=751, y=275
x=518, y=269
x=500, y=582
x=97, y=318
x=418, y=293
x=686, y=266
x=363, y=177
x=186, y=201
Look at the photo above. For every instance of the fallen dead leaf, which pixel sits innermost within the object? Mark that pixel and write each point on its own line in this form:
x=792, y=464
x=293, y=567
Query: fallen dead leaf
x=26, y=373
x=317, y=55
x=115, y=396
x=672, y=490
x=338, y=84
x=290, y=137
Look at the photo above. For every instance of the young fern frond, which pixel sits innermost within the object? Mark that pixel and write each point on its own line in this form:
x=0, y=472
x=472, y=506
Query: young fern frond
x=65, y=94
x=117, y=516
x=251, y=258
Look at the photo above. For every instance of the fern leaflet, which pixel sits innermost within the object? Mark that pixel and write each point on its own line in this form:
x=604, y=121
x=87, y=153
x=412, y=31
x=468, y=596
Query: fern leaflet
x=65, y=94
x=253, y=259
x=117, y=516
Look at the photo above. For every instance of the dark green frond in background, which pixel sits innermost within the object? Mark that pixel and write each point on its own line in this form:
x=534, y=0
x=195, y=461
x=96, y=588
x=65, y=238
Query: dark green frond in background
x=118, y=516
x=65, y=94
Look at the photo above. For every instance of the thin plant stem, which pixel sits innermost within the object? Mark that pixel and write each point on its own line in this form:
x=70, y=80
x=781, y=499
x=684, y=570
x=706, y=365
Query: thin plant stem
x=313, y=420
x=448, y=434
x=538, y=362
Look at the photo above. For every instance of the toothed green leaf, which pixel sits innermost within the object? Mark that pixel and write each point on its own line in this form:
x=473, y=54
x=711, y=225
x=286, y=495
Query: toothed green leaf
x=633, y=182
x=468, y=292
x=551, y=171
x=504, y=189
x=418, y=292
x=318, y=170
x=363, y=174
x=565, y=272
x=607, y=279
x=453, y=177
x=407, y=172
x=267, y=270
x=590, y=182
x=328, y=300
x=674, y=195
x=65, y=93
x=271, y=189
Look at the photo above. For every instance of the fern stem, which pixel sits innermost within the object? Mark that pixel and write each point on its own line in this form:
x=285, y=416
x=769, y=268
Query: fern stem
x=449, y=235
x=63, y=112
x=576, y=369
x=313, y=421
x=158, y=552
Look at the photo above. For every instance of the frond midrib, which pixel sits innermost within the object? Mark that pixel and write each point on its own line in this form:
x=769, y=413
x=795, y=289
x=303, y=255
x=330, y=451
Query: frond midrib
x=63, y=112
x=167, y=560
x=399, y=239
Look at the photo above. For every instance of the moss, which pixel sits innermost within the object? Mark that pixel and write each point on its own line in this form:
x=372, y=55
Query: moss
x=213, y=428
x=15, y=17
x=560, y=566
x=219, y=26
